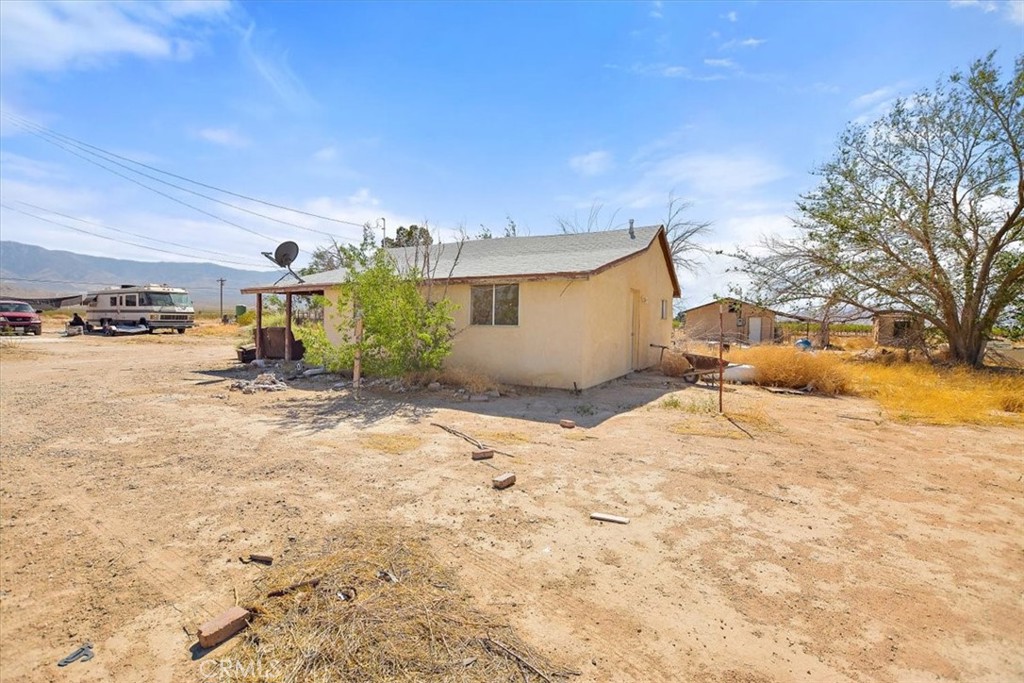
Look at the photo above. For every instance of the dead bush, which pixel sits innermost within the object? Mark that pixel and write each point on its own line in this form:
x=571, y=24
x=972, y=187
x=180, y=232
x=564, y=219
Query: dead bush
x=674, y=364
x=788, y=367
x=374, y=605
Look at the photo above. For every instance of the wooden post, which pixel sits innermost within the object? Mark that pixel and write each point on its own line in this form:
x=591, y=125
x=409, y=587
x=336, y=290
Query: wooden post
x=288, y=326
x=357, y=366
x=259, y=325
x=721, y=343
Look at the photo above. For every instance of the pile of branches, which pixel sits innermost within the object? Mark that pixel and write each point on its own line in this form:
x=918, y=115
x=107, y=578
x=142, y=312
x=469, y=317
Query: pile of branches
x=374, y=606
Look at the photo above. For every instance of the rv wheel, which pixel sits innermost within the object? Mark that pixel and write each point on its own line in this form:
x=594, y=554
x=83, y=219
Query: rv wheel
x=181, y=330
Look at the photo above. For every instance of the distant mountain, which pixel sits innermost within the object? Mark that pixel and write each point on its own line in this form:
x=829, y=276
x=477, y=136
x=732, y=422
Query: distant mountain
x=28, y=270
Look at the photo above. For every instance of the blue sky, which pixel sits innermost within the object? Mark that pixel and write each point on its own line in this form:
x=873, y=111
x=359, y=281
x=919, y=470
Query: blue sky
x=457, y=114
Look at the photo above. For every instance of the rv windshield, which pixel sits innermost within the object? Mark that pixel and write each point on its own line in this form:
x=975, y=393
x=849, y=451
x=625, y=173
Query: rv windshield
x=163, y=299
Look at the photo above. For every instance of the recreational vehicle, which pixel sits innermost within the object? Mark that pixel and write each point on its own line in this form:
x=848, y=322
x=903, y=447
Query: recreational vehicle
x=152, y=306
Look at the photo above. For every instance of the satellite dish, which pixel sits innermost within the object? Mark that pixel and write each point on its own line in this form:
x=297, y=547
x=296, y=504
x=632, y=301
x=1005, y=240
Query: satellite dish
x=284, y=256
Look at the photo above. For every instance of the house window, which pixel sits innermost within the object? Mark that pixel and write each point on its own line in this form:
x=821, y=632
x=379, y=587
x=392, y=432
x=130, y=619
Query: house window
x=494, y=305
x=664, y=309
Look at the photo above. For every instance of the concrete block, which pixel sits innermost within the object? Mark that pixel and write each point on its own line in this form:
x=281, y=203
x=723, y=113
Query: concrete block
x=222, y=627
x=567, y=424
x=483, y=454
x=503, y=481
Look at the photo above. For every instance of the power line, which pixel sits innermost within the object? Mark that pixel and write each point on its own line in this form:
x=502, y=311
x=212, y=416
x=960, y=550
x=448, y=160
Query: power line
x=153, y=189
x=41, y=131
x=77, y=282
x=127, y=232
x=114, y=239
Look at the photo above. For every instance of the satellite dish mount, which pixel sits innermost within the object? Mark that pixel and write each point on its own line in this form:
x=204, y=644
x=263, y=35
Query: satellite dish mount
x=284, y=256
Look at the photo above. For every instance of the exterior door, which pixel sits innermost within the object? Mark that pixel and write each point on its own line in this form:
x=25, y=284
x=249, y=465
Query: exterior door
x=635, y=330
x=755, y=330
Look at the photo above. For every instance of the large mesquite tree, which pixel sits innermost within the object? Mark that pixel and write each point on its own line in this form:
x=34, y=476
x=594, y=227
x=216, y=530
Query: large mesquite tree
x=920, y=211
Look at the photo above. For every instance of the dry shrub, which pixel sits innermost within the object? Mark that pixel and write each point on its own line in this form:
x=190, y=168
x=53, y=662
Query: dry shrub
x=214, y=328
x=788, y=367
x=382, y=609
x=860, y=343
x=919, y=392
x=470, y=380
x=396, y=444
x=674, y=364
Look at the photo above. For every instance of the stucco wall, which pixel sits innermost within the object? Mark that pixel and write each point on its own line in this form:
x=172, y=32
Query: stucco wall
x=569, y=330
x=702, y=323
x=607, y=353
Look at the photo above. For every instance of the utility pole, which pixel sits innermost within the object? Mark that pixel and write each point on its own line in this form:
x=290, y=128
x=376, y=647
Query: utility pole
x=221, y=281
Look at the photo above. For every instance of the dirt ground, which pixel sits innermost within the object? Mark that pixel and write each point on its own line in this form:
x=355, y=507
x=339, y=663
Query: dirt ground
x=829, y=545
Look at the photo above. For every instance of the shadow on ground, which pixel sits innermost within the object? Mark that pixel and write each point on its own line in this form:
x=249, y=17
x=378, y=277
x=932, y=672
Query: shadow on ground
x=311, y=405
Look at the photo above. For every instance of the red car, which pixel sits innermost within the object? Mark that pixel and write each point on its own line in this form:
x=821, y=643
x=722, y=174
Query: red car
x=18, y=315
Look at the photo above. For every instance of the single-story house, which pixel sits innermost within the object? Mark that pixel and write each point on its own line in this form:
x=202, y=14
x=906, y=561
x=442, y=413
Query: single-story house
x=558, y=311
x=742, y=322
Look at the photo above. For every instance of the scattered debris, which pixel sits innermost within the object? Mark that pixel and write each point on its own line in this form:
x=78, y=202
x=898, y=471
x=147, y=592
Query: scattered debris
x=567, y=424
x=222, y=627
x=483, y=454
x=82, y=654
x=262, y=558
x=313, y=372
x=266, y=381
x=347, y=593
x=503, y=481
x=466, y=437
x=602, y=517
x=783, y=390
x=479, y=398
x=738, y=426
x=387, y=575
x=434, y=386
x=309, y=583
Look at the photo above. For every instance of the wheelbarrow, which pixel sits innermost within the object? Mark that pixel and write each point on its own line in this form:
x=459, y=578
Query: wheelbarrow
x=705, y=368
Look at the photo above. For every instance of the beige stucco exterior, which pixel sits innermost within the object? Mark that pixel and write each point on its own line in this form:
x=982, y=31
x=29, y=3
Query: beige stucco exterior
x=572, y=329
x=702, y=322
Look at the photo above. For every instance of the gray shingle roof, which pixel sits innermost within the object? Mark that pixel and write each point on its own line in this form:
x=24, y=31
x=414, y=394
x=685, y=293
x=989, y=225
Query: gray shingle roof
x=518, y=256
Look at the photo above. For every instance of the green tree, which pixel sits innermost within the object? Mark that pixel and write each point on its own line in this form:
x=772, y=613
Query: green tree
x=919, y=212
x=412, y=236
x=402, y=330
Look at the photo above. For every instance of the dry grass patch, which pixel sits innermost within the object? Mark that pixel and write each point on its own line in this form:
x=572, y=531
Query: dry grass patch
x=375, y=606
x=396, y=444
x=470, y=380
x=719, y=428
x=784, y=366
x=15, y=350
x=918, y=392
x=216, y=329
x=503, y=438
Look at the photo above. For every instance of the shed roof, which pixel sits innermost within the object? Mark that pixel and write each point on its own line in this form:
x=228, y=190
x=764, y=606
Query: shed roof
x=540, y=257
x=723, y=300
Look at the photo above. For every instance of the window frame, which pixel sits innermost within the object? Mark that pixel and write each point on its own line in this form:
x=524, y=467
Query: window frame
x=492, y=318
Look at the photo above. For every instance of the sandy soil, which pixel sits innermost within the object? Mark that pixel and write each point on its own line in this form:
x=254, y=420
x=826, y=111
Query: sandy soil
x=833, y=545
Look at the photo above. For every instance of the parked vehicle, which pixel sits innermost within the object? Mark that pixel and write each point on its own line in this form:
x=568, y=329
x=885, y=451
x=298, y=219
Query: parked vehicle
x=18, y=316
x=151, y=306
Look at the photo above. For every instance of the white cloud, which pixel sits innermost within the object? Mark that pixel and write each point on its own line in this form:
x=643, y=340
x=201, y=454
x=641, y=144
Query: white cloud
x=656, y=8
x=272, y=66
x=325, y=154
x=731, y=16
x=592, y=163
x=1011, y=10
x=746, y=42
x=51, y=36
x=225, y=137
x=720, y=63
x=870, y=99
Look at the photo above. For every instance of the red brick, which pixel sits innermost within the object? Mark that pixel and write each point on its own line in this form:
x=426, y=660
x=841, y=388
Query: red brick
x=222, y=627
x=483, y=454
x=503, y=481
x=567, y=424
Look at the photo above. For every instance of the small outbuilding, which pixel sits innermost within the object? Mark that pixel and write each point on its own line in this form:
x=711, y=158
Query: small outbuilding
x=559, y=311
x=742, y=322
x=897, y=329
